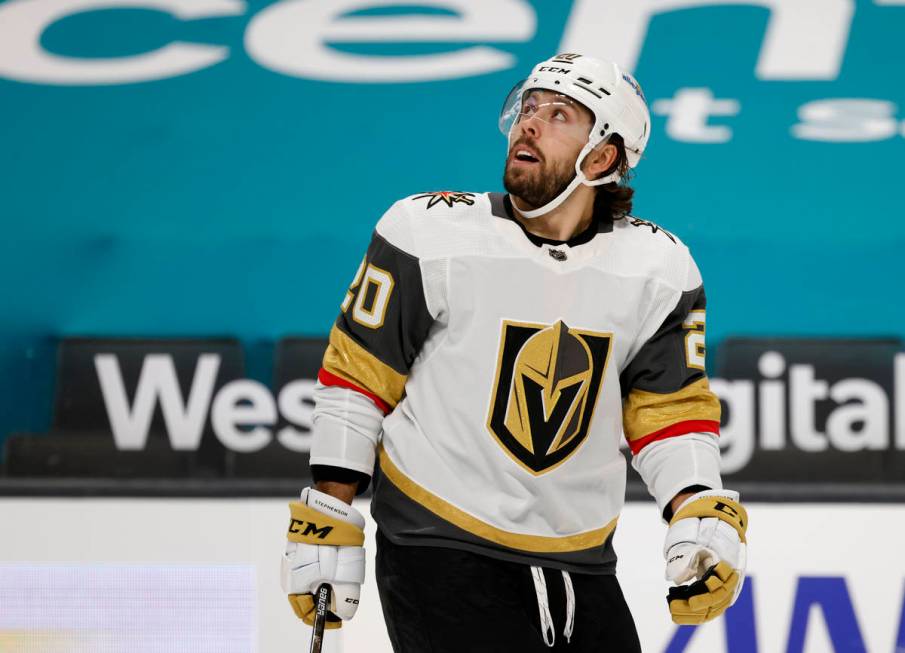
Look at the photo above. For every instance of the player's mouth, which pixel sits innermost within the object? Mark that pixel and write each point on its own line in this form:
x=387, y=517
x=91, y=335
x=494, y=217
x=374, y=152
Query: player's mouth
x=524, y=155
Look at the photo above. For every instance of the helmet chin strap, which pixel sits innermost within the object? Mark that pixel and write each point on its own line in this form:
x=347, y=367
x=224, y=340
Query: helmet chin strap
x=568, y=190
x=555, y=202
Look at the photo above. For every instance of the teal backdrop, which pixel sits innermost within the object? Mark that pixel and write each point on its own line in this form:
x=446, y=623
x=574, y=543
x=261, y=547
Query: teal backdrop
x=238, y=199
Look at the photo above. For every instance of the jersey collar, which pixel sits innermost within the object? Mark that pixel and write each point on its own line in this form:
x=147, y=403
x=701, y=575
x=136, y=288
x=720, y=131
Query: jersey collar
x=501, y=207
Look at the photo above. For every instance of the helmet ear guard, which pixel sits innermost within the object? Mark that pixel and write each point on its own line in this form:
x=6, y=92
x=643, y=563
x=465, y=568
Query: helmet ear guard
x=612, y=96
x=615, y=175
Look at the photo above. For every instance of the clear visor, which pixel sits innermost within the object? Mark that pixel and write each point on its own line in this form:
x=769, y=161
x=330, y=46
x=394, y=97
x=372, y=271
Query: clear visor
x=568, y=118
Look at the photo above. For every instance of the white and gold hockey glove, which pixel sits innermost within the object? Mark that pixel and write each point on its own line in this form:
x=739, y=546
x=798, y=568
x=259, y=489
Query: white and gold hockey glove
x=324, y=545
x=705, y=544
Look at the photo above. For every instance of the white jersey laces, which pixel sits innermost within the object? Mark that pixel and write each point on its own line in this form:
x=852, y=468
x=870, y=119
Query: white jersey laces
x=543, y=606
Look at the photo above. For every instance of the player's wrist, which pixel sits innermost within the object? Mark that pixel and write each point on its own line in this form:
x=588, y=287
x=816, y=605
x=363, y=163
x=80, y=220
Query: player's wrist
x=677, y=501
x=344, y=491
x=330, y=506
x=722, y=504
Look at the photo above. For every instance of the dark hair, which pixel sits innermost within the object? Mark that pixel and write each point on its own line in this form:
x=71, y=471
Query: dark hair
x=614, y=200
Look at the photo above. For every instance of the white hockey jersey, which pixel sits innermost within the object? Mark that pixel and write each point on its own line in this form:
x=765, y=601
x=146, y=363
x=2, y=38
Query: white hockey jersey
x=508, y=369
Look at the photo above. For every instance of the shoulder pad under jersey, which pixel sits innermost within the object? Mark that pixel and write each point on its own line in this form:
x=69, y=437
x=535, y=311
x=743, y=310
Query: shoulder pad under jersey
x=647, y=249
x=431, y=224
x=646, y=228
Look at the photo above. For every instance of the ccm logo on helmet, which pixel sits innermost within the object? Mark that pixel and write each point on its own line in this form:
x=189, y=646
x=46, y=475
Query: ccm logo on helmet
x=553, y=69
x=309, y=528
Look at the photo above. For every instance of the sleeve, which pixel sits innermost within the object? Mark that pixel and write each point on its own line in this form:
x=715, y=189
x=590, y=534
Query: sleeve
x=671, y=418
x=383, y=323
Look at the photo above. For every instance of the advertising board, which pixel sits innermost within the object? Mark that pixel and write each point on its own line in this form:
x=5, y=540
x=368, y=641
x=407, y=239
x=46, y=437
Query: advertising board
x=822, y=578
x=808, y=411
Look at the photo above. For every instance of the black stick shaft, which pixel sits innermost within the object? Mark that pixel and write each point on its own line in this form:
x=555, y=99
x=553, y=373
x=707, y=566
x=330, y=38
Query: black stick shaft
x=321, y=605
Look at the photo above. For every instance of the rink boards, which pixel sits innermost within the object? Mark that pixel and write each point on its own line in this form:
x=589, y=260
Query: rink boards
x=110, y=575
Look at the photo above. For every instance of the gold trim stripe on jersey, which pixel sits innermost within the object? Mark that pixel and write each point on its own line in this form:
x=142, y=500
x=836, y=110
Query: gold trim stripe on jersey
x=351, y=362
x=647, y=412
x=473, y=525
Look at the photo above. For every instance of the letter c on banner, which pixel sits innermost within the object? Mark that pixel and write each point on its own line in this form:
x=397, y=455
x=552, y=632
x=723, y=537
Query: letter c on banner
x=22, y=22
x=292, y=37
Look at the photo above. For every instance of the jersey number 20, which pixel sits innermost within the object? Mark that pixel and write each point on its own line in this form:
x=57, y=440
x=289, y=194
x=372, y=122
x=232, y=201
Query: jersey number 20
x=694, y=339
x=370, y=290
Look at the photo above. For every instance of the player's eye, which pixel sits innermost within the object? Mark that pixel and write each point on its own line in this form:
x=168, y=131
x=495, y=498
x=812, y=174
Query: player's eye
x=530, y=102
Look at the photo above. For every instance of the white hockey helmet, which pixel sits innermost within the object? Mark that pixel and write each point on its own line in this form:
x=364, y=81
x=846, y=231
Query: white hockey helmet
x=613, y=97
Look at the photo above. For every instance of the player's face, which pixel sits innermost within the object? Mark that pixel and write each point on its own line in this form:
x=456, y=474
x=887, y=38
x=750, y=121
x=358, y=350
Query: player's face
x=549, y=132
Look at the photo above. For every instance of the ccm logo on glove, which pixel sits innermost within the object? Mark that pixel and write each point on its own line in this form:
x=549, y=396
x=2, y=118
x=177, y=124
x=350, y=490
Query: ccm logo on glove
x=732, y=512
x=310, y=528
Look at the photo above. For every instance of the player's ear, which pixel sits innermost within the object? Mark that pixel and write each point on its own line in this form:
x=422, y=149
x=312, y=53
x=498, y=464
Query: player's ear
x=600, y=160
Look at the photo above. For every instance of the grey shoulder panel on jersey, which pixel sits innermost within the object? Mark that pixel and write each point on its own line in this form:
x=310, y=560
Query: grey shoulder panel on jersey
x=498, y=205
x=406, y=321
x=661, y=364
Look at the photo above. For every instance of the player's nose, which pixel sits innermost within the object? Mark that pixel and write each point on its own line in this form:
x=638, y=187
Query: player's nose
x=531, y=125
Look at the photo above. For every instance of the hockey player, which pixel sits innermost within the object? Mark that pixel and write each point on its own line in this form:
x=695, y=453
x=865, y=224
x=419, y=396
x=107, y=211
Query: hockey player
x=490, y=353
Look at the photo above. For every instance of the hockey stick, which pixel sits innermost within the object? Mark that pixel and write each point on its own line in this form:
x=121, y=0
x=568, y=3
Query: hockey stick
x=321, y=603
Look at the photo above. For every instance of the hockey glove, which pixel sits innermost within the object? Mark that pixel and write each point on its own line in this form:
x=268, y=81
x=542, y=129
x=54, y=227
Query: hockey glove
x=705, y=544
x=325, y=546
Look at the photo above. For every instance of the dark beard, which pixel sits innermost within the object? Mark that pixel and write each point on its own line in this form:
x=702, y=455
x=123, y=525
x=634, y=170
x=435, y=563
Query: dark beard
x=538, y=187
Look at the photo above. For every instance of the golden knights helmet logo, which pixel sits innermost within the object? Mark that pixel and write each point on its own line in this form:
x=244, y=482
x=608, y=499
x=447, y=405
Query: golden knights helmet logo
x=548, y=381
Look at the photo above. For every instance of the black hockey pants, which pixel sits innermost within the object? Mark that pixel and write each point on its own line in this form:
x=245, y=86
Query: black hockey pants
x=438, y=600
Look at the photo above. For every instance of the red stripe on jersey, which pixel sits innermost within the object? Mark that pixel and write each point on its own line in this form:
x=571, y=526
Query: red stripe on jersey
x=671, y=431
x=329, y=379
